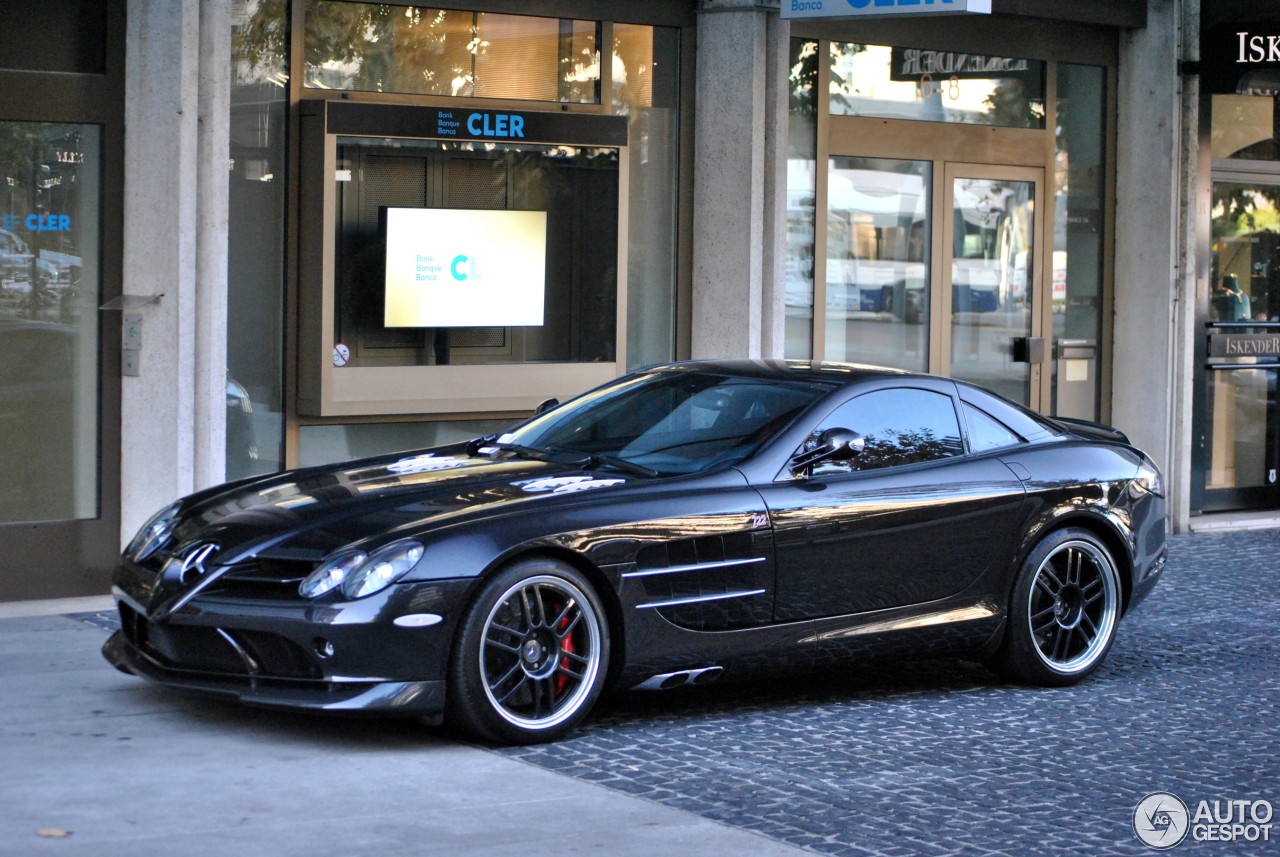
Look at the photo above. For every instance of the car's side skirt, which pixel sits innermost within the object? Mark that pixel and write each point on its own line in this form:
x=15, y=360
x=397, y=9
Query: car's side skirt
x=962, y=624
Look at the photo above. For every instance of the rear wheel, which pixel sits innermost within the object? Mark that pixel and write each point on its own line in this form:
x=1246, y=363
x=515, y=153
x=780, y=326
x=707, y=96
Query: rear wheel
x=531, y=655
x=1063, y=612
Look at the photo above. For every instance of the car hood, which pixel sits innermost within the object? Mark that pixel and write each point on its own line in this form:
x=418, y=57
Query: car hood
x=305, y=514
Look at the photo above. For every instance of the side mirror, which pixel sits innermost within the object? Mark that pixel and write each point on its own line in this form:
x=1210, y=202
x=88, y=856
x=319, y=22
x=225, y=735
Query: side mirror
x=835, y=444
x=545, y=405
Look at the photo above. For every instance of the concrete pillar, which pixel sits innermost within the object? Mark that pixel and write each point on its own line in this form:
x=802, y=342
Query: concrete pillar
x=212, y=231
x=1147, y=285
x=1192, y=277
x=777, y=90
x=739, y=203
x=174, y=221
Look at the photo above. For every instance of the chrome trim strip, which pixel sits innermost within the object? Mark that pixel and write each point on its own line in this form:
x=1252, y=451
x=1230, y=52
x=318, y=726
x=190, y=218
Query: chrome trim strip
x=182, y=600
x=969, y=613
x=698, y=599
x=702, y=566
x=249, y=663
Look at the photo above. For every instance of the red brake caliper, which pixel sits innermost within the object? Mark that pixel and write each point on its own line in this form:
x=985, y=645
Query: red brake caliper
x=567, y=648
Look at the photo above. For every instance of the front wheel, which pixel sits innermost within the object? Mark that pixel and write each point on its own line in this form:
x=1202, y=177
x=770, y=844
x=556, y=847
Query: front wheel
x=531, y=656
x=1063, y=612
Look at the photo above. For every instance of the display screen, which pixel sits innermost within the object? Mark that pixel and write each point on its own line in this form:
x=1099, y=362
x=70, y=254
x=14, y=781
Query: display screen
x=449, y=267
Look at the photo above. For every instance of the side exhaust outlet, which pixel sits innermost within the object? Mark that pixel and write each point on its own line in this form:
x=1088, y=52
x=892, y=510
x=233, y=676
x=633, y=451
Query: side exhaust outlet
x=667, y=681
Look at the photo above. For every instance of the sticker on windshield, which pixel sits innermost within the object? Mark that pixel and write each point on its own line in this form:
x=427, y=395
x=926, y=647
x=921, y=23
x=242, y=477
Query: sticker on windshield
x=565, y=484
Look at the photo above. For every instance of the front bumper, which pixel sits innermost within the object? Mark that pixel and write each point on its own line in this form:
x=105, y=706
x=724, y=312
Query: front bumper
x=1150, y=548
x=408, y=698
x=387, y=653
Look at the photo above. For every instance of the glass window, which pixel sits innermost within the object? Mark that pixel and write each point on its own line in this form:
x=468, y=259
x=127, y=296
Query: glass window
x=878, y=261
x=329, y=444
x=374, y=47
x=65, y=36
x=1245, y=263
x=575, y=192
x=802, y=150
x=646, y=67
x=50, y=285
x=256, y=242
x=993, y=260
x=1244, y=429
x=936, y=86
x=900, y=427
x=986, y=432
x=1078, y=229
x=1244, y=127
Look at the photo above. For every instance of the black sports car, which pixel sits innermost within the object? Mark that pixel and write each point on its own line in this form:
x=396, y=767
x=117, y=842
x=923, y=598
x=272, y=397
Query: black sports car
x=677, y=524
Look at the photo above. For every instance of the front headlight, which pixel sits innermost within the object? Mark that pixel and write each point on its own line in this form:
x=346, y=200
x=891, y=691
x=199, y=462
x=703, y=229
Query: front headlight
x=154, y=534
x=331, y=573
x=359, y=574
x=1148, y=479
x=382, y=569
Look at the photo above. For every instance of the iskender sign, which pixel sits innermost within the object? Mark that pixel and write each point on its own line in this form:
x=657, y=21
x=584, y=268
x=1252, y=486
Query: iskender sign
x=1230, y=54
x=1244, y=345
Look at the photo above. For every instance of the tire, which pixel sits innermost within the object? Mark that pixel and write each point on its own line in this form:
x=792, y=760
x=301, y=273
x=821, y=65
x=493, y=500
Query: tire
x=531, y=655
x=1063, y=611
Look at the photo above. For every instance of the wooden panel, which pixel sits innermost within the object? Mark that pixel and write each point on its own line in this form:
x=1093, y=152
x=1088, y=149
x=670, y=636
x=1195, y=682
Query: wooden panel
x=931, y=141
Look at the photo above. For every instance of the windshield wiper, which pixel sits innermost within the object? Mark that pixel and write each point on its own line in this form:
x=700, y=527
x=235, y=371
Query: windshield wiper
x=490, y=444
x=605, y=460
x=523, y=451
x=553, y=454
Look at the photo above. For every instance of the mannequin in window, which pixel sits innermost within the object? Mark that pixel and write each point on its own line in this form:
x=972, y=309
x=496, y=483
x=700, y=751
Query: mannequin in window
x=1229, y=301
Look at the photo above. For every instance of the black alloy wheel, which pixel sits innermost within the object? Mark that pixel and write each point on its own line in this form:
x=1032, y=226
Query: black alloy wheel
x=531, y=655
x=1063, y=612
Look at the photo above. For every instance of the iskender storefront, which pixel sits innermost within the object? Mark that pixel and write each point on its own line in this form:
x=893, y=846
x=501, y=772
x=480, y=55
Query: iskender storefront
x=1237, y=417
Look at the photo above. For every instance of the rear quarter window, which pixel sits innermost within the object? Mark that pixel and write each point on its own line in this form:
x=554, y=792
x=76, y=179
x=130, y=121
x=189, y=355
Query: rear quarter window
x=986, y=432
x=1019, y=420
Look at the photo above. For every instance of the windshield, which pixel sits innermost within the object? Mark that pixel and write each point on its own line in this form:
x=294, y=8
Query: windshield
x=671, y=422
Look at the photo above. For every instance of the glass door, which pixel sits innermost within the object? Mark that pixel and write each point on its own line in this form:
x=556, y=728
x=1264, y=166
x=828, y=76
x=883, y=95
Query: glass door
x=992, y=225
x=935, y=267
x=1240, y=420
x=59, y=518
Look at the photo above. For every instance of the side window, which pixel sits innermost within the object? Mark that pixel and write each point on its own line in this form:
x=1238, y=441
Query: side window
x=986, y=432
x=899, y=426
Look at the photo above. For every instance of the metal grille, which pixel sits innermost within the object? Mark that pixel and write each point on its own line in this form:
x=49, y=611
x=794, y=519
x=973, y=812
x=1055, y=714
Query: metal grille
x=478, y=337
x=398, y=182
x=476, y=184
x=391, y=181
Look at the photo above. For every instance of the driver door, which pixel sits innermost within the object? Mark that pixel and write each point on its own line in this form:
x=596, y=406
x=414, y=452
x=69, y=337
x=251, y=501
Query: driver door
x=912, y=519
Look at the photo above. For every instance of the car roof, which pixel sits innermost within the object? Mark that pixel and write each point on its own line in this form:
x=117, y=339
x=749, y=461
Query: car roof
x=834, y=376
x=822, y=372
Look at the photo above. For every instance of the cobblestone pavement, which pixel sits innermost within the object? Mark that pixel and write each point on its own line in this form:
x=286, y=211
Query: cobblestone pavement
x=942, y=758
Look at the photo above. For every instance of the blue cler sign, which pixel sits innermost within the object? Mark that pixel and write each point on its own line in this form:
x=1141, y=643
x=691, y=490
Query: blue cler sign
x=879, y=8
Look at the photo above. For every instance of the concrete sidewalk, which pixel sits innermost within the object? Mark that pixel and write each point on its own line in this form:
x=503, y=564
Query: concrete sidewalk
x=127, y=768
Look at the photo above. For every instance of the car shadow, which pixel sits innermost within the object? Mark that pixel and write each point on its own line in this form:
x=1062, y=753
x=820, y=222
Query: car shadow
x=862, y=682
x=855, y=681
x=322, y=729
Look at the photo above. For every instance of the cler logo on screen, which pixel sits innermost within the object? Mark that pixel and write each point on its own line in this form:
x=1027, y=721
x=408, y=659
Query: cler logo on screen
x=465, y=268
x=456, y=267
